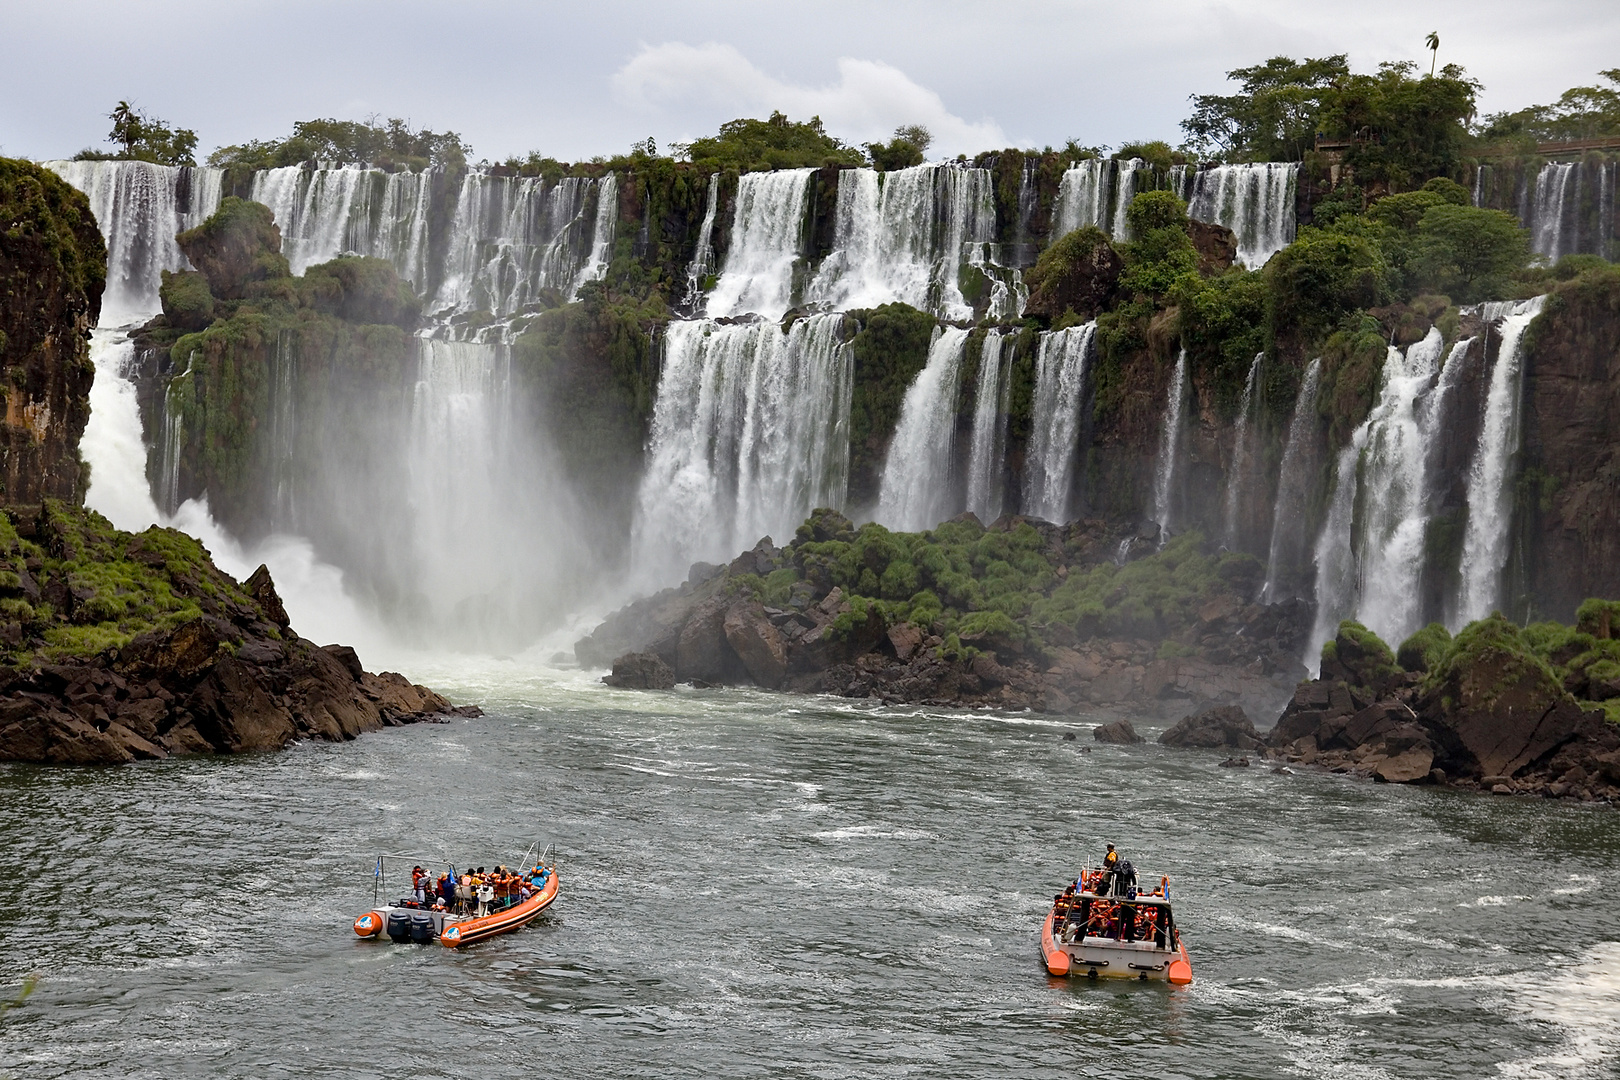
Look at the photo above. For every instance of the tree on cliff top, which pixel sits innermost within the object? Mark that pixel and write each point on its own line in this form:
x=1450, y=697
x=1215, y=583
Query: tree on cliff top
x=777, y=143
x=144, y=138
x=1402, y=128
x=906, y=149
x=1582, y=112
x=1275, y=115
x=390, y=145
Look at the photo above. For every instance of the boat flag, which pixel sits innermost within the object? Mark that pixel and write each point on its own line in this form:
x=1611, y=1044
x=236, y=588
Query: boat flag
x=378, y=873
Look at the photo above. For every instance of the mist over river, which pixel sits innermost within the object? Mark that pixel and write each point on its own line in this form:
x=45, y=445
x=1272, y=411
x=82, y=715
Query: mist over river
x=771, y=885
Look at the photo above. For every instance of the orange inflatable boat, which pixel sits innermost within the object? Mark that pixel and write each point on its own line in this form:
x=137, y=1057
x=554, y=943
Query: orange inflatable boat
x=1096, y=931
x=471, y=916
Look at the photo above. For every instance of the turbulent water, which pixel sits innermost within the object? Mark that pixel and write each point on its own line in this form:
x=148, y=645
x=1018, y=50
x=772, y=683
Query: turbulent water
x=768, y=885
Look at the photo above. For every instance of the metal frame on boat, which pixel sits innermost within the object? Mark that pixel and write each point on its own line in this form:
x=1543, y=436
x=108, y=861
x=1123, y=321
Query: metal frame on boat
x=408, y=921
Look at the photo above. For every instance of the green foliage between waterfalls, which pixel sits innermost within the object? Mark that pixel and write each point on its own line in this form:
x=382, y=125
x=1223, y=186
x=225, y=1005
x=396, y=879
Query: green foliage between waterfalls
x=392, y=144
x=1013, y=587
x=890, y=348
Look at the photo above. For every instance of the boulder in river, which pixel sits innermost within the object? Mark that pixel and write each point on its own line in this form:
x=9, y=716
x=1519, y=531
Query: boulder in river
x=641, y=671
x=1222, y=726
x=1120, y=732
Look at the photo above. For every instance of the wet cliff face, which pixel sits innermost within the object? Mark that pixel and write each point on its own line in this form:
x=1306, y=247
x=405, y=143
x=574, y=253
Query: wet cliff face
x=52, y=268
x=1567, y=545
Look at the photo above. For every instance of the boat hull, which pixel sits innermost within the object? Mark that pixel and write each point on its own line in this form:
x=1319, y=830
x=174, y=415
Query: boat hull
x=1106, y=958
x=466, y=932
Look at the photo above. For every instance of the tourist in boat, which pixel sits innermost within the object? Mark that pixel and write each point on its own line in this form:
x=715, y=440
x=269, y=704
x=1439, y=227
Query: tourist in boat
x=417, y=874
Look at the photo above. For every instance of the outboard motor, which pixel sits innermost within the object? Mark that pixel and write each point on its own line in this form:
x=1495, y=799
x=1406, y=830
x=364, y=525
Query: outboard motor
x=1125, y=880
x=399, y=926
x=421, y=928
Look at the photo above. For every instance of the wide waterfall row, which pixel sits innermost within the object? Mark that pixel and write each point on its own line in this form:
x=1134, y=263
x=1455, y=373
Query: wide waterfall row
x=1255, y=201
x=1377, y=544
x=139, y=208
x=1568, y=206
x=899, y=237
x=512, y=240
x=750, y=433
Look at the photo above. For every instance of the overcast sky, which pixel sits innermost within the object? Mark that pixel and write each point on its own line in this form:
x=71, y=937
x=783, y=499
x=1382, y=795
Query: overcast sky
x=582, y=79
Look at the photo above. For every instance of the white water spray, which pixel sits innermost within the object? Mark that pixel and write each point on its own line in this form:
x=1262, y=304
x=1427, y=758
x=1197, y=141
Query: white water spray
x=1061, y=360
x=984, y=492
x=915, y=491
x=1164, y=473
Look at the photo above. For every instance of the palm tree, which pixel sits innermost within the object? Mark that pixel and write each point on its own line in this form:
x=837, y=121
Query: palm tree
x=1432, y=43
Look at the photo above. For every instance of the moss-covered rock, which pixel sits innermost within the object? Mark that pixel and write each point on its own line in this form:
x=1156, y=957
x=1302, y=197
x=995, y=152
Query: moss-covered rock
x=1425, y=649
x=890, y=348
x=1357, y=656
x=237, y=246
x=53, y=265
x=360, y=290
x=1078, y=273
x=187, y=302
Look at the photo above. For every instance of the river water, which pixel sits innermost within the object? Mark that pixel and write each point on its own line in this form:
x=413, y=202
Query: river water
x=766, y=885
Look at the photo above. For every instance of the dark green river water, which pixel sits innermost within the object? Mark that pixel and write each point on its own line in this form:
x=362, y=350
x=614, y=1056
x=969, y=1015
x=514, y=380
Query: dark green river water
x=762, y=886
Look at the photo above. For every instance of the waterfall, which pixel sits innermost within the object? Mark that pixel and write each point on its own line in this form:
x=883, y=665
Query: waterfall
x=1293, y=483
x=1082, y=197
x=1242, y=454
x=1335, y=554
x=1008, y=293
x=1164, y=472
x=607, y=223
x=1371, y=556
x=513, y=238
x=283, y=431
x=702, y=264
x=1255, y=201
x=766, y=237
x=1490, y=500
x=902, y=237
x=114, y=444
x=313, y=209
x=1061, y=361
x=750, y=432
x=1547, y=222
x=984, y=494
x=139, y=208
x=1125, y=191
x=1394, y=493
x=915, y=491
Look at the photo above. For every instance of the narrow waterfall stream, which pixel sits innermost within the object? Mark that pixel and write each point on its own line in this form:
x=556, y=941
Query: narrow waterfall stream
x=1061, y=359
x=702, y=263
x=1294, y=476
x=984, y=486
x=1239, y=476
x=915, y=492
x=1164, y=472
x=1490, y=498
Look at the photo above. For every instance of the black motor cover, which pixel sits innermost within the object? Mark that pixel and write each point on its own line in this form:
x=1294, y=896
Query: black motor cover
x=421, y=929
x=399, y=925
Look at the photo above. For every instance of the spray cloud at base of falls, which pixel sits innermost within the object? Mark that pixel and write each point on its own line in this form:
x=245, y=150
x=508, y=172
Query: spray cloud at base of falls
x=750, y=433
x=1061, y=390
x=915, y=492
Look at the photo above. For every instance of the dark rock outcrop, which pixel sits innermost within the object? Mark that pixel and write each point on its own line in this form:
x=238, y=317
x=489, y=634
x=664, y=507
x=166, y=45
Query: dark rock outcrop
x=1078, y=273
x=641, y=671
x=1223, y=726
x=236, y=247
x=1120, y=732
x=1490, y=715
x=52, y=269
x=140, y=648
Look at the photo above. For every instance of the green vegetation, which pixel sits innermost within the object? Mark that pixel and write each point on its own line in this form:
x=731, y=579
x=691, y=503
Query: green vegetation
x=392, y=145
x=905, y=149
x=236, y=247
x=1017, y=588
x=1424, y=650
x=890, y=348
x=76, y=586
x=1582, y=112
x=1358, y=656
x=1397, y=128
x=144, y=138
x=41, y=211
x=776, y=143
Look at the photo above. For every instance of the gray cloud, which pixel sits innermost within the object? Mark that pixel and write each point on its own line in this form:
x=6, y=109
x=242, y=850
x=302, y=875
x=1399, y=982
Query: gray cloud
x=578, y=80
